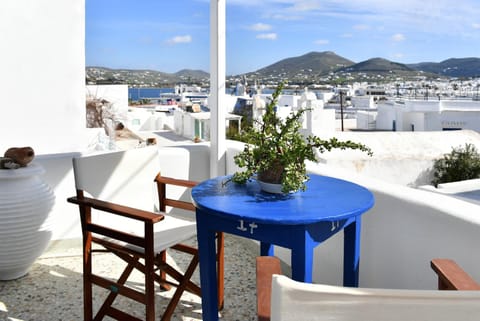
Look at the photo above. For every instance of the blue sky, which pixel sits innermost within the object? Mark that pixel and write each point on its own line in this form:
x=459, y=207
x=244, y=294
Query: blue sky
x=168, y=35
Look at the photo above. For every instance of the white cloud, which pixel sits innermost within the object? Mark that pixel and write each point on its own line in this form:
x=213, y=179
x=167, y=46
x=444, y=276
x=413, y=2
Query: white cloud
x=419, y=18
x=260, y=27
x=428, y=16
x=267, y=36
x=285, y=17
x=321, y=42
x=398, y=37
x=346, y=35
x=180, y=39
x=306, y=5
x=361, y=27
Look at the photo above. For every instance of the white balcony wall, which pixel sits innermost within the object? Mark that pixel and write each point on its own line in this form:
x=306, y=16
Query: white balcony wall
x=43, y=75
x=405, y=230
x=404, y=158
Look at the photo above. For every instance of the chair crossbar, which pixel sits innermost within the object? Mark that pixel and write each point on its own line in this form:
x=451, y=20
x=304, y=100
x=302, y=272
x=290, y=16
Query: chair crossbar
x=118, y=288
x=113, y=294
x=116, y=248
x=185, y=248
x=189, y=285
x=179, y=204
x=120, y=315
x=115, y=234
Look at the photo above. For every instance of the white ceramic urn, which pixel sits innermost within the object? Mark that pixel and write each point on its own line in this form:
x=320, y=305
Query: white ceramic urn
x=25, y=204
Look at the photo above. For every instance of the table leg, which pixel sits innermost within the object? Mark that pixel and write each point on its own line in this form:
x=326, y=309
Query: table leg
x=351, y=256
x=208, y=269
x=302, y=261
x=266, y=249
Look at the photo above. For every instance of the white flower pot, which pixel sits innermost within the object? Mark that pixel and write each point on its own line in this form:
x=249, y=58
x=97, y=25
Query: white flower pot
x=25, y=204
x=270, y=188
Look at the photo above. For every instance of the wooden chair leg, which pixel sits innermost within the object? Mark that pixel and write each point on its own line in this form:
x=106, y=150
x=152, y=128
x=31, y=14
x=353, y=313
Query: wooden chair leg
x=266, y=267
x=87, y=278
x=183, y=284
x=221, y=269
x=163, y=276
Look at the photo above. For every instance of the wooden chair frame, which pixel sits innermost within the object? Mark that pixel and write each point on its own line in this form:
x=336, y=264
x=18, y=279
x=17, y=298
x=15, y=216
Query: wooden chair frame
x=162, y=182
x=452, y=277
x=151, y=261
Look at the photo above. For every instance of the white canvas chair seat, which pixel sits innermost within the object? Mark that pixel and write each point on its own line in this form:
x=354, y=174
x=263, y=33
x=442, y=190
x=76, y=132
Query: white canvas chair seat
x=171, y=231
x=297, y=301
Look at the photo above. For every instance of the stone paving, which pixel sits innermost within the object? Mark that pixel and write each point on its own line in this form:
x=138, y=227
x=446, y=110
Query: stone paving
x=52, y=290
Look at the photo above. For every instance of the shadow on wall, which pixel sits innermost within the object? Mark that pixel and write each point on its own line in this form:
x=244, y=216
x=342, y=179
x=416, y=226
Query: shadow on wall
x=59, y=176
x=424, y=178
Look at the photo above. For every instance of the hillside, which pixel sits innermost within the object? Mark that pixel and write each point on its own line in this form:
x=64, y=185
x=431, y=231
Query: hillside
x=194, y=74
x=313, y=67
x=453, y=67
x=149, y=78
x=313, y=63
x=377, y=65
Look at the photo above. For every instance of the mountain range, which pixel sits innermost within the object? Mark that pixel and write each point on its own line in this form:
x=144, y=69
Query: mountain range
x=453, y=67
x=314, y=66
x=322, y=63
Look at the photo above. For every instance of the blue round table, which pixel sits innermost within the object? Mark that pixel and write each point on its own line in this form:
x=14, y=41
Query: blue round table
x=299, y=221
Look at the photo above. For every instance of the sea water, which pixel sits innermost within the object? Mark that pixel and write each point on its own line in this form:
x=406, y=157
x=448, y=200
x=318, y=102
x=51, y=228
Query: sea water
x=136, y=94
x=140, y=93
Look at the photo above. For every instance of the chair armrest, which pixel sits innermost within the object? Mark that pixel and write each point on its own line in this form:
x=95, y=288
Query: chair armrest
x=266, y=267
x=121, y=210
x=175, y=181
x=451, y=276
x=162, y=182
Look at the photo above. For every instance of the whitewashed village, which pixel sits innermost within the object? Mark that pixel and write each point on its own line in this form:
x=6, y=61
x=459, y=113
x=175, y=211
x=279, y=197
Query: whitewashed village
x=407, y=126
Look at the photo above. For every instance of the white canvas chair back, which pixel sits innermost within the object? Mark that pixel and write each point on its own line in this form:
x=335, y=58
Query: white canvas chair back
x=127, y=178
x=124, y=177
x=297, y=301
x=189, y=162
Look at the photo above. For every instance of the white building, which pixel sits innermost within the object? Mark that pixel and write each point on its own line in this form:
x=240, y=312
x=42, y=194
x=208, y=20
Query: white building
x=424, y=115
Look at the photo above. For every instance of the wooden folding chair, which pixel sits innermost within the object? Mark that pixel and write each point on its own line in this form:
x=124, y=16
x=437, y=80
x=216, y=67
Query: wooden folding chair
x=280, y=298
x=119, y=212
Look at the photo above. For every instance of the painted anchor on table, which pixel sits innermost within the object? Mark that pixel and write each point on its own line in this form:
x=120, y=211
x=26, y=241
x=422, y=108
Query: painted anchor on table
x=243, y=228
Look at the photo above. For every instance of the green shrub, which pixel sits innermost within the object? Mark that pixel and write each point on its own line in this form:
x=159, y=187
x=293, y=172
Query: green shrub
x=461, y=164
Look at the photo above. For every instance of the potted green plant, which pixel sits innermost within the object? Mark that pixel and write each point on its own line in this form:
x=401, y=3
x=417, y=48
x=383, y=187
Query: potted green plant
x=276, y=150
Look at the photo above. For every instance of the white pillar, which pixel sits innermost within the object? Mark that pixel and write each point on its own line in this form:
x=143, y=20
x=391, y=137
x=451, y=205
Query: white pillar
x=216, y=101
